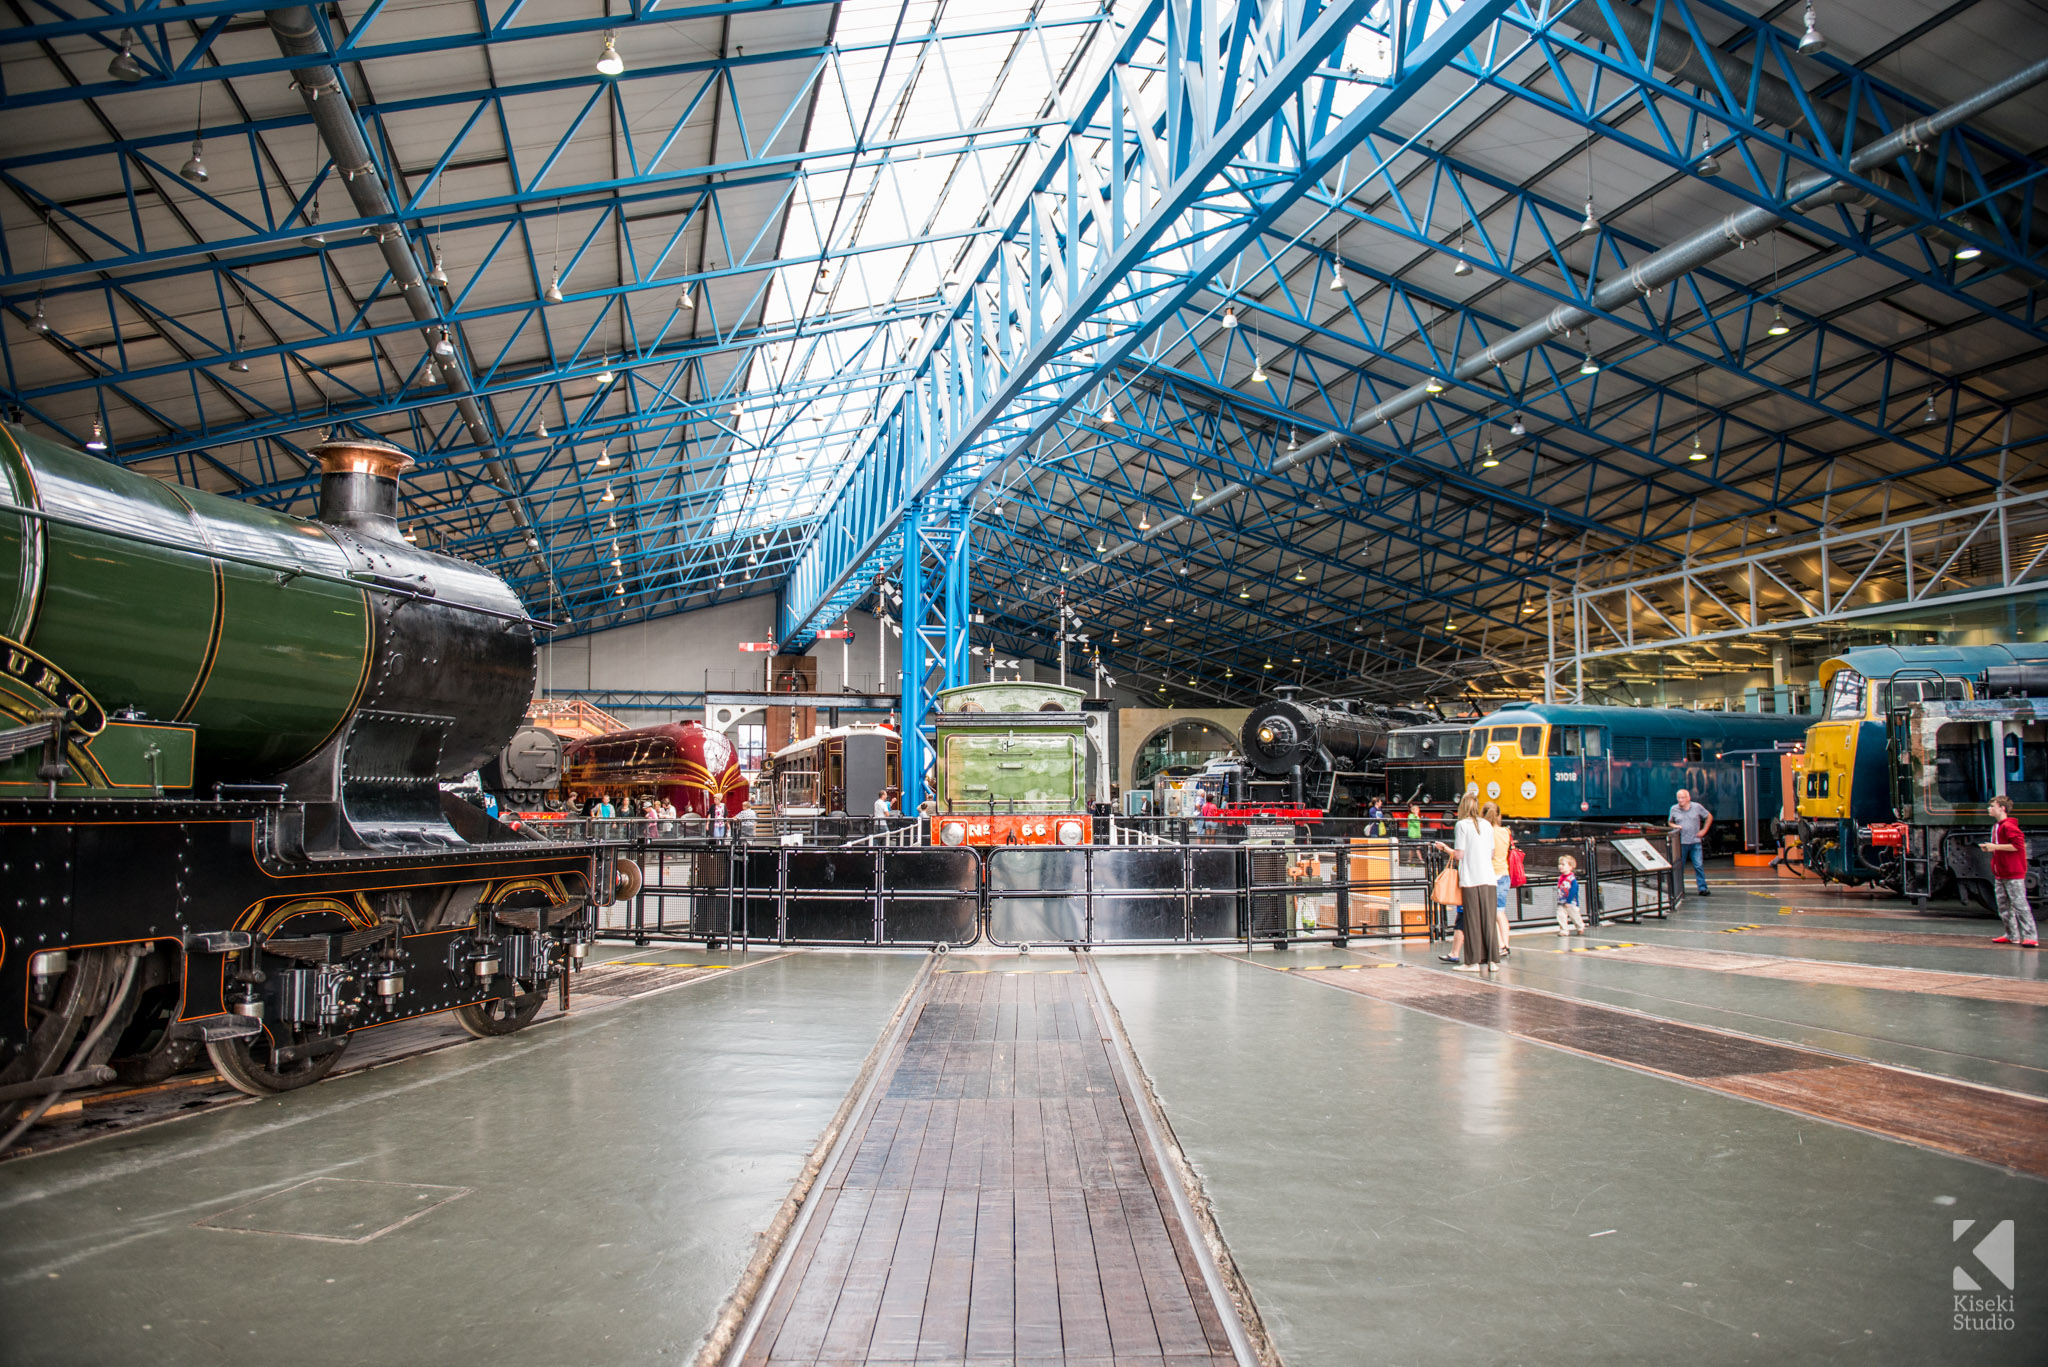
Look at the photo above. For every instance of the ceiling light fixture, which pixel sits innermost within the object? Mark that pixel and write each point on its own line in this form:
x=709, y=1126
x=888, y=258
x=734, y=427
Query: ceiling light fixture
x=443, y=346
x=1300, y=574
x=1810, y=42
x=98, y=441
x=1515, y=428
x=439, y=274
x=1258, y=369
x=683, y=303
x=823, y=284
x=41, y=321
x=1464, y=267
x=553, y=293
x=543, y=427
x=1710, y=165
x=1928, y=416
x=1696, y=453
x=1245, y=592
x=607, y=496
x=1489, y=460
x=1432, y=385
x=410, y=538
x=124, y=67
x=1292, y=444
x=1969, y=251
x=1589, y=366
x=609, y=63
x=604, y=457
x=1336, y=285
x=1589, y=224
x=1230, y=315
x=194, y=168
x=1779, y=327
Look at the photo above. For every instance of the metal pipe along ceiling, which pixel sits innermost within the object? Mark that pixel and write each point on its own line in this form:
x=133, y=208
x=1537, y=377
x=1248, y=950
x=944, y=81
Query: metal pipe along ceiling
x=320, y=87
x=1659, y=268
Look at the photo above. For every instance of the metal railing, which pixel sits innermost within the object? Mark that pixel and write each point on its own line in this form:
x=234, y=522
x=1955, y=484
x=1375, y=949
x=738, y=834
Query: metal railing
x=874, y=893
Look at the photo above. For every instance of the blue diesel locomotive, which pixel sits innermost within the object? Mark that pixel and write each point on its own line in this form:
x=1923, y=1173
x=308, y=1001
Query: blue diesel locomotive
x=1576, y=762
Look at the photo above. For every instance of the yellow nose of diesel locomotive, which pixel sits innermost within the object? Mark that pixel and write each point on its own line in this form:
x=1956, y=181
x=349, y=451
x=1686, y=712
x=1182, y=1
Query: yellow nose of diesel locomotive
x=1830, y=762
x=1506, y=774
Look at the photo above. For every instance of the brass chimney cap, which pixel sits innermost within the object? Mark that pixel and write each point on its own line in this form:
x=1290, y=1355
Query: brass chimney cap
x=360, y=456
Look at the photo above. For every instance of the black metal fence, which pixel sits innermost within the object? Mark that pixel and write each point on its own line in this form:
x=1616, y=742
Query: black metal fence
x=1154, y=893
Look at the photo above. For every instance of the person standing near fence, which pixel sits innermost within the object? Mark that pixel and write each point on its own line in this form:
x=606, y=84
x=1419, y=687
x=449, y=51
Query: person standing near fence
x=1415, y=821
x=1503, y=845
x=1692, y=822
x=2008, y=850
x=1480, y=946
x=1571, y=907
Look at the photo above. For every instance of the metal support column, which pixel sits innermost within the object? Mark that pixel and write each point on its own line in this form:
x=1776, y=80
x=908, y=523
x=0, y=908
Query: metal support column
x=937, y=547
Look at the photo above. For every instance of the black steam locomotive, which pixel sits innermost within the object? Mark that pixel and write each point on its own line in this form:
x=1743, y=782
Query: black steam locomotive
x=223, y=735
x=1329, y=756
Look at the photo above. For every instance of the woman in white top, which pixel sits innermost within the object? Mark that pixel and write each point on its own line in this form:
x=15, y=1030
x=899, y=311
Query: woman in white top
x=1476, y=885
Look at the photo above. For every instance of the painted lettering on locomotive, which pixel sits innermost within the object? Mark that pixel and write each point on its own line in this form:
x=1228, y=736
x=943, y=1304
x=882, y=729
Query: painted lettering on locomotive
x=223, y=735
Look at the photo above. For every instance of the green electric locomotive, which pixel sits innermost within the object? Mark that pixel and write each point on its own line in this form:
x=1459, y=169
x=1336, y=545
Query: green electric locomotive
x=223, y=734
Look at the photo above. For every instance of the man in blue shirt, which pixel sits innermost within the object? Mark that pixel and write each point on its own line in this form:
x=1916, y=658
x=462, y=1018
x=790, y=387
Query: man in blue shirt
x=1692, y=824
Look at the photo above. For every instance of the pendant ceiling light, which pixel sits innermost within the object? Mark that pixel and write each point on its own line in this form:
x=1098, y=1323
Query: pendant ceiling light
x=443, y=345
x=1810, y=42
x=605, y=376
x=1432, y=385
x=1300, y=575
x=1709, y=164
x=98, y=442
x=1516, y=428
x=411, y=537
x=1696, y=453
x=1590, y=223
x=1292, y=444
x=553, y=293
x=1928, y=416
x=607, y=496
x=1589, y=366
x=823, y=284
x=1337, y=285
x=683, y=304
x=543, y=427
x=438, y=275
x=1230, y=315
x=240, y=365
x=1464, y=267
x=124, y=67
x=1779, y=327
x=194, y=168
x=41, y=321
x=604, y=457
x=609, y=63
x=1969, y=251
x=1245, y=592
x=1489, y=460
x=1258, y=369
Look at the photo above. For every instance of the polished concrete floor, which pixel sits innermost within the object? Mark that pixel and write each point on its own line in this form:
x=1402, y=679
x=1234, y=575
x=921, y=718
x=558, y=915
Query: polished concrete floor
x=1395, y=1183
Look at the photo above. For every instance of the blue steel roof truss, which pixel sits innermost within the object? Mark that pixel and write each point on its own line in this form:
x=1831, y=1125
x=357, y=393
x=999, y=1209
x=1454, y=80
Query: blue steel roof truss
x=1073, y=369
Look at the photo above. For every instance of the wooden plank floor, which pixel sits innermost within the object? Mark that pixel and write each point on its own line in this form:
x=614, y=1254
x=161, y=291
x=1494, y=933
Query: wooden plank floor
x=998, y=1203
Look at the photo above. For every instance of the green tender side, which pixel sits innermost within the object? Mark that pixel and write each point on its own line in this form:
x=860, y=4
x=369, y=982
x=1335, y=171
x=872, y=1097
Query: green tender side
x=122, y=588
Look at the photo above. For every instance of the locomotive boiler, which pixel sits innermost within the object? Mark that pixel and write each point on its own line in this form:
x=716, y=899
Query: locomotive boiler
x=1332, y=754
x=223, y=733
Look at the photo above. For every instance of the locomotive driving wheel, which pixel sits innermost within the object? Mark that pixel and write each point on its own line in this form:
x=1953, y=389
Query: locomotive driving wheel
x=503, y=1015
x=279, y=1058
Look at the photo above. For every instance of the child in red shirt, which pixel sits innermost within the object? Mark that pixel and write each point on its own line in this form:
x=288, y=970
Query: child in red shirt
x=2008, y=849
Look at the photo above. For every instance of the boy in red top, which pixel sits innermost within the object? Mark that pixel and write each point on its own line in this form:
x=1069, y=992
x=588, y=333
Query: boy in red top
x=2008, y=847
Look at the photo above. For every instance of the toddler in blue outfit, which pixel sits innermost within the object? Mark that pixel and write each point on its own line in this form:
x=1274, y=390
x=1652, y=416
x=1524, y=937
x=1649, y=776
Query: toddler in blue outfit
x=1570, y=906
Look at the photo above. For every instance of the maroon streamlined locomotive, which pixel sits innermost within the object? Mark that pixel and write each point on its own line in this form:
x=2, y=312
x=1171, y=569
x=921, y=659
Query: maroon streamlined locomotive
x=696, y=770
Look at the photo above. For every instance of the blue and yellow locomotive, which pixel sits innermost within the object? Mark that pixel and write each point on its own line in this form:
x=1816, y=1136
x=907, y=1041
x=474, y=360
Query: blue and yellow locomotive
x=1579, y=762
x=1903, y=760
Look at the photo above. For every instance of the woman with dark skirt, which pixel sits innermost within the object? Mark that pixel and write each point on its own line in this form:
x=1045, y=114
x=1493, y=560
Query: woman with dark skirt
x=1476, y=886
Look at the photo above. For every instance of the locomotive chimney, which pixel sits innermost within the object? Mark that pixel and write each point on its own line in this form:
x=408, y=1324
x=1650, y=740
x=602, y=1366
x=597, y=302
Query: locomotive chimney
x=359, y=485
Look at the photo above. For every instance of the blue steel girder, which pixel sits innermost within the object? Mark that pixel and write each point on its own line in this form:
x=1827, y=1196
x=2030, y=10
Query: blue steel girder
x=1226, y=155
x=154, y=49
x=936, y=546
x=1599, y=88
x=1458, y=416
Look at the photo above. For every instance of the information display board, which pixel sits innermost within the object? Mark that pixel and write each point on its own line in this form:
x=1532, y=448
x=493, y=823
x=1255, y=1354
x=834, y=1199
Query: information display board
x=1641, y=855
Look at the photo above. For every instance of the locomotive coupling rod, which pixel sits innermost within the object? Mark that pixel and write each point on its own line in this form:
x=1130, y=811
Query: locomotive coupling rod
x=57, y=1082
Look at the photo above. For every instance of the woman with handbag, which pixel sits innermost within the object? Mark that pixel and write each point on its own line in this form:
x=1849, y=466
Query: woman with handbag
x=1480, y=945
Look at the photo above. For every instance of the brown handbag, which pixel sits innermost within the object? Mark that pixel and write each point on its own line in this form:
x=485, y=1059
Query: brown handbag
x=1445, y=890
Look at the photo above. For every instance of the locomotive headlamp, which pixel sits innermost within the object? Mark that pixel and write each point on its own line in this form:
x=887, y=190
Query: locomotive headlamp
x=1266, y=736
x=952, y=833
x=1070, y=833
